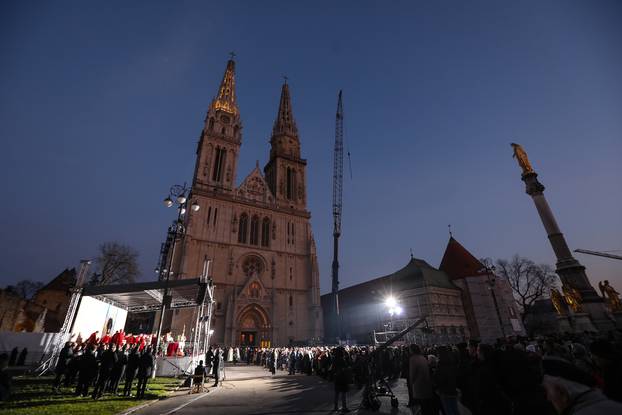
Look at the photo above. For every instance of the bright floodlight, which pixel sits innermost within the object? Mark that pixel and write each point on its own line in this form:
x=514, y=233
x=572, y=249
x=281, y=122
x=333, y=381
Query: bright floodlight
x=183, y=210
x=168, y=202
x=211, y=332
x=398, y=310
x=195, y=206
x=390, y=302
x=181, y=199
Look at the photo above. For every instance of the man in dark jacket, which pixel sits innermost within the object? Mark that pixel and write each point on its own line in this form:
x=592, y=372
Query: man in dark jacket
x=62, y=365
x=108, y=361
x=133, y=361
x=87, y=367
x=117, y=371
x=145, y=370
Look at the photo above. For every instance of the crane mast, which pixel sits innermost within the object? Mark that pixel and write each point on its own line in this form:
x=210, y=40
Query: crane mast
x=337, y=205
x=597, y=253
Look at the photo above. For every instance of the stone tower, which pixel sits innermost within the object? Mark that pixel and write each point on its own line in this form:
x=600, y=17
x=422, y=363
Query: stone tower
x=257, y=234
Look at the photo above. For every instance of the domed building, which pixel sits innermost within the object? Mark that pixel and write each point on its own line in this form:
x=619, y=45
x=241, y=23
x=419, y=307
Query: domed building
x=461, y=300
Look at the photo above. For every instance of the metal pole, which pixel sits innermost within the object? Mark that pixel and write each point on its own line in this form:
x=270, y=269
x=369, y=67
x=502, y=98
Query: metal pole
x=169, y=271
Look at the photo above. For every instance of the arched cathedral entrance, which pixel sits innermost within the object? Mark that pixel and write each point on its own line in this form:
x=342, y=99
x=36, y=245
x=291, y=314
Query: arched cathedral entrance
x=254, y=327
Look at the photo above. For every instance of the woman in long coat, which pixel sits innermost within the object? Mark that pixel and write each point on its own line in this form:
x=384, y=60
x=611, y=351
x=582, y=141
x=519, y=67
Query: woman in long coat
x=341, y=373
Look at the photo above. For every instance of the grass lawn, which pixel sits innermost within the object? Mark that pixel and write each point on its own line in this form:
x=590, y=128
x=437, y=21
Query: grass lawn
x=34, y=396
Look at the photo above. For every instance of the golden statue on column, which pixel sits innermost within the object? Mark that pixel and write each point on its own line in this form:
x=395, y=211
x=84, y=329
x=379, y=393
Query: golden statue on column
x=557, y=298
x=521, y=156
x=573, y=298
x=611, y=296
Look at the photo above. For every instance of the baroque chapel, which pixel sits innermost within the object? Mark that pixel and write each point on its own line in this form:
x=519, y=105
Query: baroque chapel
x=257, y=235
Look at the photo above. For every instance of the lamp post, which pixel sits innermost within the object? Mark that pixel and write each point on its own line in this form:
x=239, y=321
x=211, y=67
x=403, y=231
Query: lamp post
x=490, y=270
x=178, y=196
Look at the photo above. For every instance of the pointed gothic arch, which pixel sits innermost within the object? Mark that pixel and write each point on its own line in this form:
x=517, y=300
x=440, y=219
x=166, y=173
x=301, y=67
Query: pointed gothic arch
x=254, y=234
x=243, y=229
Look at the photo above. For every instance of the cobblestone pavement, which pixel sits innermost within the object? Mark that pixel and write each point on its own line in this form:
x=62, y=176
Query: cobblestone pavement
x=251, y=390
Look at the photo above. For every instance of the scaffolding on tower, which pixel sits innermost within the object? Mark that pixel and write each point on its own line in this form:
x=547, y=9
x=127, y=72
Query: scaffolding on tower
x=337, y=207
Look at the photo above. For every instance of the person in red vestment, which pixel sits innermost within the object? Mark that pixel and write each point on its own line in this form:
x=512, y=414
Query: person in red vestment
x=121, y=339
x=93, y=339
x=142, y=343
x=115, y=338
x=106, y=339
x=129, y=339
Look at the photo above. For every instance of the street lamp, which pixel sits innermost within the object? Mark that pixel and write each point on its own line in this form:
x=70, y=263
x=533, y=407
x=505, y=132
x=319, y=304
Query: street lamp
x=178, y=195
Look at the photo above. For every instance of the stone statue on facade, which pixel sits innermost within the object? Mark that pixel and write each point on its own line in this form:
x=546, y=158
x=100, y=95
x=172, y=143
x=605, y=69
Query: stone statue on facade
x=573, y=298
x=557, y=299
x=611, y=296
x=521, y=156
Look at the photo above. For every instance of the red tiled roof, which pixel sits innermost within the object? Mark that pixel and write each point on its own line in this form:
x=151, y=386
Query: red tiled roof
x=459, y=263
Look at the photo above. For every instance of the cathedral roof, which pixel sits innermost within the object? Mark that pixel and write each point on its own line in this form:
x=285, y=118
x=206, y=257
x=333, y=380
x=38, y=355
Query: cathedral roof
x=285, y=123
x=459, y=263
x=416, y=274
x=225, y=100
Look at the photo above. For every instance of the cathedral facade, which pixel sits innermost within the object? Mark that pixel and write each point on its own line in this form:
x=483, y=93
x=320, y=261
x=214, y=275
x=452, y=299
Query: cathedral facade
x=256, y=235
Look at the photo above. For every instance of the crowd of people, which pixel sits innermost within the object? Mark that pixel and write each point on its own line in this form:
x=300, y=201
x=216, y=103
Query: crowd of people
x=106, y=367
x=569, y=374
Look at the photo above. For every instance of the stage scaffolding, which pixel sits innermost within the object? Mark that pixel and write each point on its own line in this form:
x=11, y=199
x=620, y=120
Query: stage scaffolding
x=144, y=297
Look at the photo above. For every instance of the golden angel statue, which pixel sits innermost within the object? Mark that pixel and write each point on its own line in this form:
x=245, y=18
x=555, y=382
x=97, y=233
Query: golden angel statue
x=611, y=296
x=556, y=299
x=573, y=298
x=521, y=157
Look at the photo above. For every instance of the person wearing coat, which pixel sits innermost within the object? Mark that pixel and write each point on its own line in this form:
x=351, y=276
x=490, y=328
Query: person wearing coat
x=87, y=370
x=107, y=363
x=340, y=371
x=62, y=365
x=117, y=371
x=145, y=370
x=420, y=381
x=133, y=360
x=218, y=364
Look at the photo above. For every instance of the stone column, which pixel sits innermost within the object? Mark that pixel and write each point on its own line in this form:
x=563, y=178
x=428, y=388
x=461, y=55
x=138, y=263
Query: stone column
x=570, y=271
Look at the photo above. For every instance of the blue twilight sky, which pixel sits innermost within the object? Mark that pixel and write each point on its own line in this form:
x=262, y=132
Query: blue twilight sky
x=101, y=105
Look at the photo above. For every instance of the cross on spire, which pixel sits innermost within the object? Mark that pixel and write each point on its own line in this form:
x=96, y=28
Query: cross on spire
x=285, y=78
x=450, y=234
x=232, y=55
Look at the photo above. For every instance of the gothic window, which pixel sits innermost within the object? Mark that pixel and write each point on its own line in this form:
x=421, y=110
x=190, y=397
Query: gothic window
x=265, y=232
x=219, y=164
x=291, y=301
x=223, y=131
x=291, y=183
x=209, y=215
x=243, y=229
x=215, y=215
x=253, y=290
x=252, y=266
x=211, y=124
x=254, y=230
x=291, y=276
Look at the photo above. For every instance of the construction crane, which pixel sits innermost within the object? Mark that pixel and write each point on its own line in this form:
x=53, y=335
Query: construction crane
x=337, y=205
x=596, y=253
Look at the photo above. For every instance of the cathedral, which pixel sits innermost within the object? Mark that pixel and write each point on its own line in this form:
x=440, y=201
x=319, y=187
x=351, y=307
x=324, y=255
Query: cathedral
x=257, y=235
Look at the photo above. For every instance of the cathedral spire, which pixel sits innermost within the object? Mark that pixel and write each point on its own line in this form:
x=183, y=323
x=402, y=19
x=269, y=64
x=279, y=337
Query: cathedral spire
x=225, y=100
x=285, y=124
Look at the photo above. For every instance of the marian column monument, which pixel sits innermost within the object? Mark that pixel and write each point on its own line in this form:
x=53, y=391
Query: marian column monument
x=587, y=306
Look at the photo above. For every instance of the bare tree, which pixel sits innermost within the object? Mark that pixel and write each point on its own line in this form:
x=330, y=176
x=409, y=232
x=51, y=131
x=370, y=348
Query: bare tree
x=27, y=288
x=529, y=281
x=116, y=264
